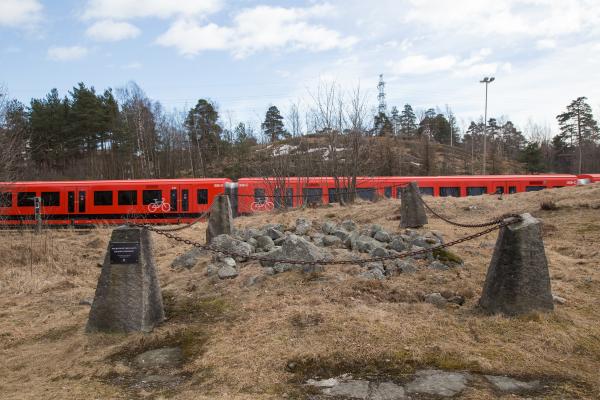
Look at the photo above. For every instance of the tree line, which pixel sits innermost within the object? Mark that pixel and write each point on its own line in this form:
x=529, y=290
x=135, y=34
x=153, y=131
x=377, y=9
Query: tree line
x=123, y=134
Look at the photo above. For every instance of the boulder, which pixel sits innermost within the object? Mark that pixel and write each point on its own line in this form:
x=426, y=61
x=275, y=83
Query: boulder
x=330, y=240
x=226, y=272
x=265, y=243
x=328, y=227
x=436, y=299
x=374, y=229
x=221, y=220
x=351, y=241
x=297, y=248
x=366, y=244
x=412, y=211
x=227, y=243
x=518, y=280
x=342, y=234
x=405, y=266
x=348, y=225
x=379, y=252
x=302, y=226
x=382, y=236
x=438, y=266
x=189, y=259
x=398, y=245
x=274, y=233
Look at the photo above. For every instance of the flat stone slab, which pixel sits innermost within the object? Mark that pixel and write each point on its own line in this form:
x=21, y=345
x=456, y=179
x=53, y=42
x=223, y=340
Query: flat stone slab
x=359, y=389
x=166, y=357
x=506, y=384
x=387, y=391
x=354, y=389
x=438, y=383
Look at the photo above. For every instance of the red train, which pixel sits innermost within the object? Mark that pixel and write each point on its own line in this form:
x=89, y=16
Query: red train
x=182, y=200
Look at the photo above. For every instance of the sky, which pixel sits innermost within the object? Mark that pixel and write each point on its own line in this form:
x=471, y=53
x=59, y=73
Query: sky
x=247, y=55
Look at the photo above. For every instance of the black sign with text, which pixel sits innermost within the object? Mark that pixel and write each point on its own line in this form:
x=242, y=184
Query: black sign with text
x=124, y=253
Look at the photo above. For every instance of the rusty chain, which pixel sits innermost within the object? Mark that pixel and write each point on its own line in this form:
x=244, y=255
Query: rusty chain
x=214, y=249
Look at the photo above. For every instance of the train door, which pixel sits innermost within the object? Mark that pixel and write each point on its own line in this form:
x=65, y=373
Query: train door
x=81, y=200
x=185, y=200
x=173, y=199
x=71, y=202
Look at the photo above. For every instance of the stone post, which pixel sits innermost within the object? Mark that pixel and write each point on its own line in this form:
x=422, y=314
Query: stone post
x=518, y=281
x=412, y=212
x=221, y=220
x=128, y=297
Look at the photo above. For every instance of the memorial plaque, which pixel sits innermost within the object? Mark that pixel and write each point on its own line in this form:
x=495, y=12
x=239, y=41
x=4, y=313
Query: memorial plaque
x=124, y=252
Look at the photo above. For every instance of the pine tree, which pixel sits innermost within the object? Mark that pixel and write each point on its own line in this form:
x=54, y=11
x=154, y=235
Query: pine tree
x=382, y=125
x=578, y=125
x=204, y=132
x=531, y=155
x=395, y=120
x=273, y=126
x=408, y=122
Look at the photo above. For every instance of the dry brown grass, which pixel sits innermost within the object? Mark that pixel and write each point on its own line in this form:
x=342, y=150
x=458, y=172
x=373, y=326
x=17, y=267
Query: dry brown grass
x=257, y=342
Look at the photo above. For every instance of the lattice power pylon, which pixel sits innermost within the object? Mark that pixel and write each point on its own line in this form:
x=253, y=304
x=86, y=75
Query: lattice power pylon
x=381, y=95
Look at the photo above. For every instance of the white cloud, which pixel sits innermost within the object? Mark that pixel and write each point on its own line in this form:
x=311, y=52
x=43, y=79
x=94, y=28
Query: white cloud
x=18, y=13
x=419, y=64
x=132, y=65
x=111, y=31
x=58, y=53
x=256, y=29
x=127, y=9
x=544, y=44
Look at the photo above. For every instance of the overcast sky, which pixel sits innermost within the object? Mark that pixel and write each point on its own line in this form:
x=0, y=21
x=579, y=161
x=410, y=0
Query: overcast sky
x=247, y=55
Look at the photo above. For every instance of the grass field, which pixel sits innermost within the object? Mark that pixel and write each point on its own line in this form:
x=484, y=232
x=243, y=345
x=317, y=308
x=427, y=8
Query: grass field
x=260, y=341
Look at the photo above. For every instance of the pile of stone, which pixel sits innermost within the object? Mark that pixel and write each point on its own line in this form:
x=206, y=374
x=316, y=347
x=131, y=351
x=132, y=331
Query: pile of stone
x=314, y=241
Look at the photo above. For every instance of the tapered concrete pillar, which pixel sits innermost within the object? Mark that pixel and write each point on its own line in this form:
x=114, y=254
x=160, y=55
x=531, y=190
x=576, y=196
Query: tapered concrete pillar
x=518, y=281
x=221, y=220
x=128, y=297
x=412, y=212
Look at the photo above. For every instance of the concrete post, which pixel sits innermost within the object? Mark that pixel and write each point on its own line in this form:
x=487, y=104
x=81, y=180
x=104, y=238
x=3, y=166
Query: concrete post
x=221, y=220
x=128, y=297
x=412, y=212
x=518, y=281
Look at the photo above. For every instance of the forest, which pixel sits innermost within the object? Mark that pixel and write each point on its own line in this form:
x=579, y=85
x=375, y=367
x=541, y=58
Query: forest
x=124, y=134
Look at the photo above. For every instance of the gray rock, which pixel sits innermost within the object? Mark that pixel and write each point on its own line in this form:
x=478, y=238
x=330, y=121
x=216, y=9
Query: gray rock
x=220, y=221
x=342, y=234
x=412, y=212
x=348, y=225
x=460, y=300
x=387, y=391
x=382, y=236
x=318, y=242
x=374, y=273
x=297, y=248
x=366, y=244
x=167, y=357
x=436, y=299
x=374, y=229
x=421, y=242
x=406, y=267
x=274, y=233
x=228, y=261
x=328, y=227
x=438, y=266
x=230, y=244
x=302, y=226
x=128, y=296
x=269, y=271
x=273, y=254
x=518, y=281
x=351, y=241
x=189, y=259
x=323, y=383
x=226, y=272
x=330, y=240
x=354, y=389
x=249, y=233
x=438, y=383
x=253, y=242
x=279, y=242
x=506, y=384
x=398, y=245
x=212, y=269
x=265, y=242
x=379, y=252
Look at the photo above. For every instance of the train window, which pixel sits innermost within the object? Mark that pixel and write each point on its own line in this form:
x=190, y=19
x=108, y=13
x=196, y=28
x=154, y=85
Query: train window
x=288, y=199
x=6, y=199
x=25, y=199
x=499, y=190
x=259, y=196
x=387, y=191
x=476, y=191
x=428, y=191
x=103, y=198
x=366, y=193
x=51, y=198
x=202, y=196
x=512, y=189
x=534, y=188
x=450, y=191
x=127, y=197
x=312, y=195
x=151, y=196
x=336, y=195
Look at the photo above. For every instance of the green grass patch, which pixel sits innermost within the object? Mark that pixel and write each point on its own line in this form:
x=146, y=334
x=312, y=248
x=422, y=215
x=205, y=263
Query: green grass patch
x=445, y=255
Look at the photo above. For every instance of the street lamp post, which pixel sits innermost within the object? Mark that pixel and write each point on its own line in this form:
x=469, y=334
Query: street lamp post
x=487, y=81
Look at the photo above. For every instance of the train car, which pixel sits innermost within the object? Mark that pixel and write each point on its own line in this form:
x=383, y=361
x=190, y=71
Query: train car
x=108, y=202
x=585, y=179
x=474, y=185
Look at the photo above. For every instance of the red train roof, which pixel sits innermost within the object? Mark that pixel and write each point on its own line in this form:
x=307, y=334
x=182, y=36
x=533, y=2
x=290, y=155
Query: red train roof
x=119, y=182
